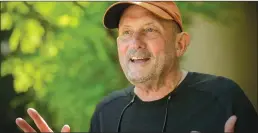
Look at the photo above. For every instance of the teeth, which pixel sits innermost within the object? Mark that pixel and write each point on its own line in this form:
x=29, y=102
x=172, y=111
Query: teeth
x=137, y=58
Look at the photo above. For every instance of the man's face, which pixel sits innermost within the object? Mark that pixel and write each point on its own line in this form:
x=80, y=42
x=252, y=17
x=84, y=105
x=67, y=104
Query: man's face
x=146, y=45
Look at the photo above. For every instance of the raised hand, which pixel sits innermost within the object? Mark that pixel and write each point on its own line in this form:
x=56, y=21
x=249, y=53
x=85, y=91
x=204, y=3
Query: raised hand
x=39, y=121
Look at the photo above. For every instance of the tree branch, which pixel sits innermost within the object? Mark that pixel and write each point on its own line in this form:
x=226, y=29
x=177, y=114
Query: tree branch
x=80, y=6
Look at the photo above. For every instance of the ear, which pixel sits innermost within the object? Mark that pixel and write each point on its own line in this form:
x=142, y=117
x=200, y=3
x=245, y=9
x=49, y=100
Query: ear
x=182, y=42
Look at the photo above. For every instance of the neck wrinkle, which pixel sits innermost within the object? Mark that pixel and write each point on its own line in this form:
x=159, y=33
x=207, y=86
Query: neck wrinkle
x=171, y=81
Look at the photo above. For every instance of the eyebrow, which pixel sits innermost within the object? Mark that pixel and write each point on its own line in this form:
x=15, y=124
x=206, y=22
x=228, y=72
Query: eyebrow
x=149, y=23
x=126, y=26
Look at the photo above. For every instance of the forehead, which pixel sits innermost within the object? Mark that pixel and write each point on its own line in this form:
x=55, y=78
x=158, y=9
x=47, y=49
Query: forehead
x=134, y=13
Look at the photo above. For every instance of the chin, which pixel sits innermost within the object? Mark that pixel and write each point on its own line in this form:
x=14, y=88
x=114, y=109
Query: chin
x=139, y=79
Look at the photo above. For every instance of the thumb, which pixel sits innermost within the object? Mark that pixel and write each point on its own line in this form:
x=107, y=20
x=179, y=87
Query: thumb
x=65, y=129
x=230, y=124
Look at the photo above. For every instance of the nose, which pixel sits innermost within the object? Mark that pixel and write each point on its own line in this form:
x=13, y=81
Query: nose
x=137, y=42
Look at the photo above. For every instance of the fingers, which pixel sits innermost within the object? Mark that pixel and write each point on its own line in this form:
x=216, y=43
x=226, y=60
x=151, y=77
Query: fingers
x=24, y=125
x=38, y=120
x=230, y=124
x=65, y=129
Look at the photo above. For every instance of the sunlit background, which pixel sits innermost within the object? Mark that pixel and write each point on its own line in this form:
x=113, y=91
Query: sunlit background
x=59, y=59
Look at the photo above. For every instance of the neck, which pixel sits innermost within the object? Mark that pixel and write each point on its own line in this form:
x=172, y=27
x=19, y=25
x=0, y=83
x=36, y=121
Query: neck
x=158, y=89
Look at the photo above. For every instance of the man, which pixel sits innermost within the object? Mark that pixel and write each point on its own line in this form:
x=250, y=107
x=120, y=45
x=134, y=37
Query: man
x=163, y=97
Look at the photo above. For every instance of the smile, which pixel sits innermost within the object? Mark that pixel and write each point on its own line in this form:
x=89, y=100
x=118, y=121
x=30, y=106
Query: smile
x=139, y=59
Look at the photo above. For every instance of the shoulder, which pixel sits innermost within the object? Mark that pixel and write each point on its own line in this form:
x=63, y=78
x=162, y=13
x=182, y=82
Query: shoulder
x=230, y=96
x=114, y=96
x=217, y=85
x=226, y=92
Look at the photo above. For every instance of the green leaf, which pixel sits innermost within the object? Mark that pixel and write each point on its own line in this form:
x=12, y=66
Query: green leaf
x=6, y=21
x=22, y=82
x=64, y=20
x=45, y=8
x=15, y=39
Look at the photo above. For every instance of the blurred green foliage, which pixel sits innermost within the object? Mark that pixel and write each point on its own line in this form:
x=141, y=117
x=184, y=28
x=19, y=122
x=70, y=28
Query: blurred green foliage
x=62, y=52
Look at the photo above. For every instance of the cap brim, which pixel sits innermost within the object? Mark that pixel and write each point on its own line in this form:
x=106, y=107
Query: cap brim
x=113, y=13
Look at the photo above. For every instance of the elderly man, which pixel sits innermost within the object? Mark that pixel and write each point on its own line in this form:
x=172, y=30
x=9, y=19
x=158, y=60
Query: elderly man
x=163, y=97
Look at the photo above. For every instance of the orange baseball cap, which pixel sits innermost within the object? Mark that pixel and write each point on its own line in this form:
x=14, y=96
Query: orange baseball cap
x=166, y=9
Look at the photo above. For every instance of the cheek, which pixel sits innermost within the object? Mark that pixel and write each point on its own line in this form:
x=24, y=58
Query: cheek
x=161, y=47
x=157, y=47
x=121, y=51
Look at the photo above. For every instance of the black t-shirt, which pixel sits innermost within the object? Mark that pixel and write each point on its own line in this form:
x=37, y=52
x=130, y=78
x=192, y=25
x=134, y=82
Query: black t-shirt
x=202, y=102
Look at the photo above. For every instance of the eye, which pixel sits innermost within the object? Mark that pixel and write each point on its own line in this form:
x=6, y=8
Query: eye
x=149, y=30
x=127, y=32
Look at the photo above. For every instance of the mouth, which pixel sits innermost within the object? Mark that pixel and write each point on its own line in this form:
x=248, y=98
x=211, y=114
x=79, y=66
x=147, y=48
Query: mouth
x=139, y=60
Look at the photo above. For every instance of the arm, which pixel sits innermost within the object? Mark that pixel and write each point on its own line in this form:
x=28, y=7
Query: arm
x=94, y=122
x=247, y=118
